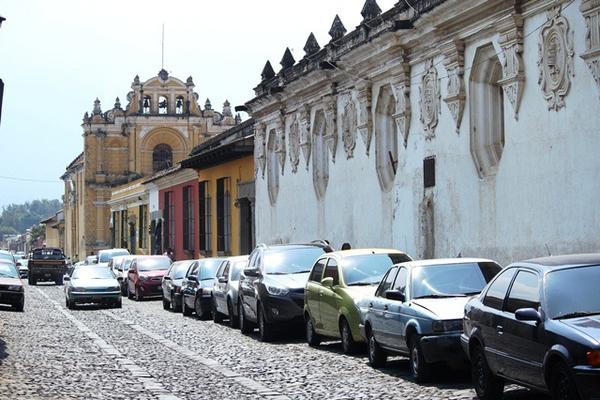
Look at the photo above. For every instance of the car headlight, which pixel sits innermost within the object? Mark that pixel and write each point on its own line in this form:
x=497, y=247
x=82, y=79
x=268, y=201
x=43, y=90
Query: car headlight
x=276, y=291
x=448, y=325
x=15, y=288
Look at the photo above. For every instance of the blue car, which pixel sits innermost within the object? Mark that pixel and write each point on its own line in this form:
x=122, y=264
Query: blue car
x=537, y=324
x=417, y=311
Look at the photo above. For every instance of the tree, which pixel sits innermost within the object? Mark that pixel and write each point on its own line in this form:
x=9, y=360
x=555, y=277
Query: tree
x=20, y=217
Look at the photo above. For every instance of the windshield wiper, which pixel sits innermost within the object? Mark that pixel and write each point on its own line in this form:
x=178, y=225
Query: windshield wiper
x=439, y=296
x=300, y=272
x=361, y=284
x=205, y=279
x=577, y=314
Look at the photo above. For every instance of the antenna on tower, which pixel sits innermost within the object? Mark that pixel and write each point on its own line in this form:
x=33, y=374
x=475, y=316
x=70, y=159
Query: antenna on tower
x=162, y=64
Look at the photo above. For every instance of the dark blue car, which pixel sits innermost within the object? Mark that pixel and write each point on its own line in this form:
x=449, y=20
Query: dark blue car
x=537, y=324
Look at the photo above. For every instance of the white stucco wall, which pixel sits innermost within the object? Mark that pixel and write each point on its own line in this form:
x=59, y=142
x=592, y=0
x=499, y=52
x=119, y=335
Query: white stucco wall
x=543, y=195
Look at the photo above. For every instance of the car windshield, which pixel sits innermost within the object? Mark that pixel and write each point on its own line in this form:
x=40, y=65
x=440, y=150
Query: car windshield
x=208, y=268
x=47, y=254
x=237, y=268
x=105, y=256
x=572, y=292
x=92, y=273
x=368, y=269
x=8, y=270
x=126, y=264
x=180, y=268
x=154, y=263
x=6, y=256
x=291, y=261
x=451, y=280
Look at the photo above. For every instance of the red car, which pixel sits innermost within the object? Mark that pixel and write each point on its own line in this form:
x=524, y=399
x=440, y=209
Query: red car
x=11, y=287
x=145, y=275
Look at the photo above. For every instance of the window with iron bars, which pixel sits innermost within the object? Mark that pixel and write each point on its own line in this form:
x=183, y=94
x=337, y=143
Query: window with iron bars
x=204, y=217
x=188, y=219
x=224, y=216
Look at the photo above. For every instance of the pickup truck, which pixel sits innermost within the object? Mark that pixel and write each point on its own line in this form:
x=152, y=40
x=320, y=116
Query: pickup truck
x=47, y=264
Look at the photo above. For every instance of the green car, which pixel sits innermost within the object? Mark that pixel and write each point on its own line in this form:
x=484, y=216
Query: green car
x=336, y=284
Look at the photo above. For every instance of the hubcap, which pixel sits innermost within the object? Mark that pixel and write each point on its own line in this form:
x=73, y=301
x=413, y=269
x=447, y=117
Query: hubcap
x=345, y=338
x=415, y=360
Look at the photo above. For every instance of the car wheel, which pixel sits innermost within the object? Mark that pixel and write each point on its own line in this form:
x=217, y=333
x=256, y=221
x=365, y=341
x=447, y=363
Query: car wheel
x=166, y=304
x=377, y=356
x=312, y=338
x=419, y=368
x=265, y=331
x=563, y=387
x=204, y=315
x=138, y=296
x=487, y=385
x=20, y=306
x=185, y=309
x=245, y=326
x=348, y=344
x=216, y=315
x=233, y=320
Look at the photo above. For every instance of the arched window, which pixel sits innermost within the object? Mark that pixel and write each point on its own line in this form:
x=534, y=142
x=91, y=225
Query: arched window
x=163, y=105
x=386, y=138
x=162, y=157
x=320, y=155
x=147, y=104
x=179, y=105
x=272, y=167
x=486, y=109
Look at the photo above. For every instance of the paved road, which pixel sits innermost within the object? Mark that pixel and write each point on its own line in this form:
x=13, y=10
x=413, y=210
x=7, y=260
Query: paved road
x=144, y=352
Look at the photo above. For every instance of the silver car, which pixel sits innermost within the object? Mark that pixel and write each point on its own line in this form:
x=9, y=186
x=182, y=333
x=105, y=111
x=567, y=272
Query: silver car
x=225, y=290
x=92, y=284
x=120, y=266
x=417, y=311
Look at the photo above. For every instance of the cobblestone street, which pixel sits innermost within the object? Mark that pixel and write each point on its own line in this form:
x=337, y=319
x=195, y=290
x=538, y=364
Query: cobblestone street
x=144, y=352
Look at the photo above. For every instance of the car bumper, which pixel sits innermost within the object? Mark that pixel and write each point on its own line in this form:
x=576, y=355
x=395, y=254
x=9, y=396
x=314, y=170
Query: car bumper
x=587, y=380
x=205, y=304
x=94, y=297
x=150, y=289
x=11, y=297
x=442, y=348
x=283, y=309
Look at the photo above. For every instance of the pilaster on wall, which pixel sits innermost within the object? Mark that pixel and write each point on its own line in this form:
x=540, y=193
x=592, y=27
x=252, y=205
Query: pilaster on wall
x=402, y=90
x=331, y=134
x=590, y=9
x=365, y=125
x=513, y=72
x=454, y=61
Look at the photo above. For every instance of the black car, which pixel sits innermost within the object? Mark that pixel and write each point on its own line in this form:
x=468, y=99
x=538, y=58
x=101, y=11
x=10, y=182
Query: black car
x=271, y=289
x=537, y=324
x=171, y=284
x=197, y=286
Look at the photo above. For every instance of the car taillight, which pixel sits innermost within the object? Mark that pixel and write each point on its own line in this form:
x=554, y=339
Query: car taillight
x=593, y=358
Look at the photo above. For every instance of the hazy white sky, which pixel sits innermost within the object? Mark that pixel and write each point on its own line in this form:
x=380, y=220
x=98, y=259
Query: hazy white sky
x=57, y=56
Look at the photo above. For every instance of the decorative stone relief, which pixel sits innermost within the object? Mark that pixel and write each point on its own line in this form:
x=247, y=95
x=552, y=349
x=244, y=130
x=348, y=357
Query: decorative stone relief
x=365, y=124
x=454, y=61
x=591, y=12
x=555, y=59
x=403, y=112
x=280, y=144
x=513, y=72
x=260, y=151
x=331, y=136
x=349, y=128
x=430, y=102
x=305, y=141
x=294, y=143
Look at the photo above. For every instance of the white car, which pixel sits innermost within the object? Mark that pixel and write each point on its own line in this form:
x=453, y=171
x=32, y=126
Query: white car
x=120, y=266
x=104, y=256
x=22, y=266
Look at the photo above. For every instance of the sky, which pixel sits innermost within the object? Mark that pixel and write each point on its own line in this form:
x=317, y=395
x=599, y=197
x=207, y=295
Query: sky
x=57, y=56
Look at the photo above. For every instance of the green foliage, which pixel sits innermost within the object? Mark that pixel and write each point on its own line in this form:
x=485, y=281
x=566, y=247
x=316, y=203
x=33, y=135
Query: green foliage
x=37, y=232
x=20, y=217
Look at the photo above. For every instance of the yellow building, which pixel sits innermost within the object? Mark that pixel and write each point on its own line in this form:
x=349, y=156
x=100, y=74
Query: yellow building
x=160, y=125
x=129, y=217
x=55, y=230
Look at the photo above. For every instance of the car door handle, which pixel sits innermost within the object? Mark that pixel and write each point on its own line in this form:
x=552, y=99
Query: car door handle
x=385, y=307
x=499, y=330
x=370, y=305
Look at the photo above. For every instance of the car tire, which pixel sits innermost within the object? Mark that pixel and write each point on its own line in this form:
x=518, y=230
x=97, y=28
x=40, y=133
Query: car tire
x=233, y=320
x=203, y=315
x=70, y=305
x=377, y=356
x=20, y=306
x=166, y=304
x=562, y=386
x=216, y=315
x=312, y=337
x=124, y=290
x=487, y=385
x=349, y=346
x=420, y=369
x=138, y=296
x=184, y=308
x=245, y=325
x=58, y=281
x=265, y=330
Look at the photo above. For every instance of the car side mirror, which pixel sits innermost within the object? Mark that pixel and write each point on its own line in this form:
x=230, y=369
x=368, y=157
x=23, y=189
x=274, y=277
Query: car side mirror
x=166, y=278
x=395, y=295
x=192, y=278
x=222, y=279
x=251, y=272
x=120, y=278
x=528, y=314
x=66, y=278
x=327, y=282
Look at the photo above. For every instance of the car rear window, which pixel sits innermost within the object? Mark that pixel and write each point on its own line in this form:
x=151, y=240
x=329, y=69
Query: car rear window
x=48, y=254
x=573, y=290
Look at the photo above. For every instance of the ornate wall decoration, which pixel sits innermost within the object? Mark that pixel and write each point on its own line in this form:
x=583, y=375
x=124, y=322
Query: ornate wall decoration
x=294, y=143
x=280, y=143
x=304, y=126
x=260, y=157
x=454, y=61
x=272, y=166
x=591, y=12
x=555, y=60
x=349, y=124
x=320, y=157
x=430, y=102
x=403, y=113
x=365, y=125
x=513, y=72
x=331, y=136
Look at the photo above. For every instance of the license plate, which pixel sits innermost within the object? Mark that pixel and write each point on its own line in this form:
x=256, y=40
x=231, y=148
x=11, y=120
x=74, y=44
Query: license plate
x=46, y=275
